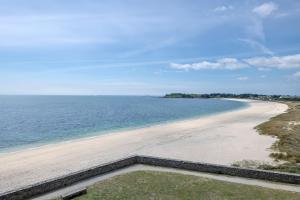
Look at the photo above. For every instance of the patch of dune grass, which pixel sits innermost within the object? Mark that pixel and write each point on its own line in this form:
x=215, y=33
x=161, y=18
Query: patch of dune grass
x=253, y=164
x=286, y=127
x=172, y=186
x=286, y=167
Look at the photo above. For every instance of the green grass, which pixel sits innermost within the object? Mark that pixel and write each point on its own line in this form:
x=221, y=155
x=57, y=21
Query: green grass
x=172, y=186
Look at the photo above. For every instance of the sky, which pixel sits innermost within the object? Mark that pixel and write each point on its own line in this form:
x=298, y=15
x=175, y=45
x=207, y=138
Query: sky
x=133, y=47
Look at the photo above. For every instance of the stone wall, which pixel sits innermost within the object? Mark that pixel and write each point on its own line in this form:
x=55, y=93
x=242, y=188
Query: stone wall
x=220, y=169
x=61, y=182
x=64, y=181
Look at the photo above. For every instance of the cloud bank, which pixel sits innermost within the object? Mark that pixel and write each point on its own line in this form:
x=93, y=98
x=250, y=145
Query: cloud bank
x=225, y=63
x=279, y=62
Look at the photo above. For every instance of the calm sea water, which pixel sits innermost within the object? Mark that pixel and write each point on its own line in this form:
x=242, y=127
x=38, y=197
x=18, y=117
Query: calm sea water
x=27, y=121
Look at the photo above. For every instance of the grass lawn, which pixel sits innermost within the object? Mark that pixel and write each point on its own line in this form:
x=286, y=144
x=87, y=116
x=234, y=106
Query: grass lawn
x=161, y=185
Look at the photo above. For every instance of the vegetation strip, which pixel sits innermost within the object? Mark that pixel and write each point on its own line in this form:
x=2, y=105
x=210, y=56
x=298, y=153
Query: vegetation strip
x=61, y=182
x=286, y=127
x=237, y=96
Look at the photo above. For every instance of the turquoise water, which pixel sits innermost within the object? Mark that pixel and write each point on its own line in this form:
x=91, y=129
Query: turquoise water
x=34, y=120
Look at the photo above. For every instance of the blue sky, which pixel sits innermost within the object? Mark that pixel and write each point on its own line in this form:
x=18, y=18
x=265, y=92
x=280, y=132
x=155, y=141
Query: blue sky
x=149, y=47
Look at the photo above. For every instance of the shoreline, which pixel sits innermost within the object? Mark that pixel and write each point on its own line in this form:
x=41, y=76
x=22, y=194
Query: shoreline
x=221, y=139
x=97, y=134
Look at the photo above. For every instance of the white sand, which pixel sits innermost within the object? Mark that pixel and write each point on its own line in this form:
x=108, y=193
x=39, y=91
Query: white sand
x=222, y=139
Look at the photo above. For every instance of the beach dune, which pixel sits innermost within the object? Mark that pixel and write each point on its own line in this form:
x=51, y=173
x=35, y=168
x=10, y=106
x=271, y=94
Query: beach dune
x=221, y=139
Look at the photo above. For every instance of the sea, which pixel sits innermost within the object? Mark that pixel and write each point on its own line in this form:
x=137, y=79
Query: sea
x=31, y=121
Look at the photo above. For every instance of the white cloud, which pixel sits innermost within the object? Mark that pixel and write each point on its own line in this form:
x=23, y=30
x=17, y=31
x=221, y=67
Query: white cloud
x=243, y=78
x=223, y=8
x=263, y=69
x=257, y=45
x=280, y=62
x=297, y=74
x=280, y=15
x=225, y=63
x=265, y=9
x=261, y=63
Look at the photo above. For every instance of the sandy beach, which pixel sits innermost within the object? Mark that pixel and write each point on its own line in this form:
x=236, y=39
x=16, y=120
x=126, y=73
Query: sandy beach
x=222, y=139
